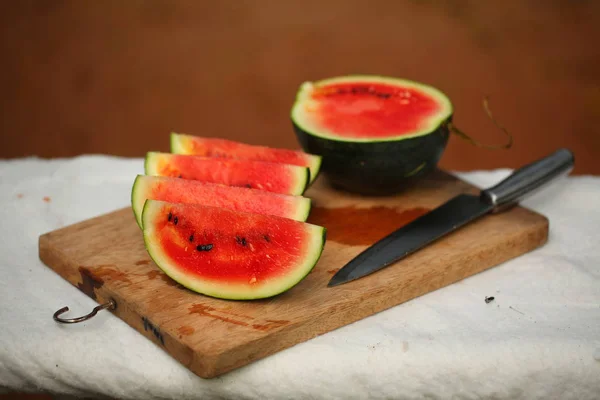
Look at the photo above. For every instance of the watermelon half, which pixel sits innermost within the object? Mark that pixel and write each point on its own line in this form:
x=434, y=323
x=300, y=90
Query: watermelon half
x=177, y=190
x=269, y=176
x=375, y=134
x=214, y=147
x=230, y=254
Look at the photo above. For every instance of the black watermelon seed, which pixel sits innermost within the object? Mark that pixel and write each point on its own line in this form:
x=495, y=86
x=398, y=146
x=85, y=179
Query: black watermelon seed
x=175, y=220
x=266, y=237
x=241, y=240
x=170, y=217
x=204, y=247
x=192, y=237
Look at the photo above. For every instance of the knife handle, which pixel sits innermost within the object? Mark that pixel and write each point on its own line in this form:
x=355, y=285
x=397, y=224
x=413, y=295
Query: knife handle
x=528, y=179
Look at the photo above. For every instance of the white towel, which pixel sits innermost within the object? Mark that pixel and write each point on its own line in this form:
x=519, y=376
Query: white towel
x=539, y=338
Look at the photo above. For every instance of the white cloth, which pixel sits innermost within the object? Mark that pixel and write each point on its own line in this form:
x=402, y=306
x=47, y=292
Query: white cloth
x=539, y=338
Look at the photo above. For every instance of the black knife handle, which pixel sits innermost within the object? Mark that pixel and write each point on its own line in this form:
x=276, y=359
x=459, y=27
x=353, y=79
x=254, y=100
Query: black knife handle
x=528, y=179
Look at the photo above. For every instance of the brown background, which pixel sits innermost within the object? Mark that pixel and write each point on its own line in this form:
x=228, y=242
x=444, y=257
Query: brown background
x=117, y=76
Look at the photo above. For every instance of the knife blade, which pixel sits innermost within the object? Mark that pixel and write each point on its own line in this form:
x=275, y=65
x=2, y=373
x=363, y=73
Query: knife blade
x=454, y=214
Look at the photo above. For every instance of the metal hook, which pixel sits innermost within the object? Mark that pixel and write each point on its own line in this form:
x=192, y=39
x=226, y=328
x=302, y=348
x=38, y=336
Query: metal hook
x=110, y=305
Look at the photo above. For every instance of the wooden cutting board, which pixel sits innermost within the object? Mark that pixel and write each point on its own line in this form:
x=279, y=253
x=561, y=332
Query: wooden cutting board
x=105, y=258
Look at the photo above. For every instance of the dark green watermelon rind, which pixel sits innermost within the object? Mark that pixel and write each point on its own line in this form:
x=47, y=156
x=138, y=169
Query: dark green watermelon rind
x=313, y=256
x=377, y=168
x=444, y=115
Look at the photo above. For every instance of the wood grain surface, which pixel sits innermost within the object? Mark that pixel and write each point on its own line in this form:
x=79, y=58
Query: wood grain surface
x=105, y=258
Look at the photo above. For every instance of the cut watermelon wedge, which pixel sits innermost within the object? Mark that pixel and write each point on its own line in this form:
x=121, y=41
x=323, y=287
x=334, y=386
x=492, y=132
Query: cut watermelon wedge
x=269, y=176
x=176, y=190
x=213, y=147
x=230, y=254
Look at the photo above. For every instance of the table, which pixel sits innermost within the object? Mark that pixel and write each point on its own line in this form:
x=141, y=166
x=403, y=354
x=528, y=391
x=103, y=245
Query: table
x=539, y=337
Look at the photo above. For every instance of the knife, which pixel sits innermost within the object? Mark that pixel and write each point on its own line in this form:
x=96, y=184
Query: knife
x=454, y=214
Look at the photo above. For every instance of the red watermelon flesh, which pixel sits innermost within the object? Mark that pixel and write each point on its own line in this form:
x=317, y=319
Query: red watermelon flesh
x=214, y=147
x=272, y=177
x=230, y=254
x=363, y=108
x=177, y=190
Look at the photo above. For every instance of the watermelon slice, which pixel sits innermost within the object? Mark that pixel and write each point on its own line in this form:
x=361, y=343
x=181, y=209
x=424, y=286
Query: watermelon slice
x=213, y=147
x=176, y=190
x=230, y=254
x=269, y=176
